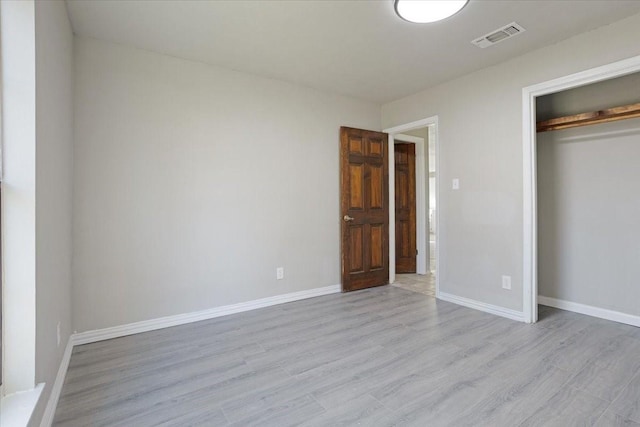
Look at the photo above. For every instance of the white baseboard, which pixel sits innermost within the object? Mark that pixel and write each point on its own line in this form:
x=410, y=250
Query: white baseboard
x=589, y=310
x=482, y=306
x=160, y=323
x=52, y=403
x=181, y=319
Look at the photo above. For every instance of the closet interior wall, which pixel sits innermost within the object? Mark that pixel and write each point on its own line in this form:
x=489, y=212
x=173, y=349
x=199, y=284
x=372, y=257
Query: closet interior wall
x=589, y=200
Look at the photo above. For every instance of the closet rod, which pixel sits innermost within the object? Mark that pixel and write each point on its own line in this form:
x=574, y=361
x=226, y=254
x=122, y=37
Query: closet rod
x=591, y=118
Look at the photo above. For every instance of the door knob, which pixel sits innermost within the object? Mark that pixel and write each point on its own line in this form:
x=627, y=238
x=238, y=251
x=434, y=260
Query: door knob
x=348, y=218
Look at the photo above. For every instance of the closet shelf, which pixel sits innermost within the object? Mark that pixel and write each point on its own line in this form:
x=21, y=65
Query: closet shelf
x=591, y=118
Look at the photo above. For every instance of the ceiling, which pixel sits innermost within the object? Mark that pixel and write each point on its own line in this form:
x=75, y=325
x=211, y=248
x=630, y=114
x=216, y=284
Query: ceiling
x=355, y=48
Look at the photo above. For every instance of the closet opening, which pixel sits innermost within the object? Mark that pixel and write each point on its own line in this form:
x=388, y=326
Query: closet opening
x=588, y=209
x=581, y=150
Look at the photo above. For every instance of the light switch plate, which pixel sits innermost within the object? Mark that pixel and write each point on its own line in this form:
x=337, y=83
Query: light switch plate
x=456, y=184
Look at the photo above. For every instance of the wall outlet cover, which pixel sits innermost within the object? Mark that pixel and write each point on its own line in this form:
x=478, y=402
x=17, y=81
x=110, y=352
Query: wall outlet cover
x=506, y=282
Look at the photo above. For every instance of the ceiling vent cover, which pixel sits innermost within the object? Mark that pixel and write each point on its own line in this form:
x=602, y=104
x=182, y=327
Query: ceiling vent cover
x=499, y=35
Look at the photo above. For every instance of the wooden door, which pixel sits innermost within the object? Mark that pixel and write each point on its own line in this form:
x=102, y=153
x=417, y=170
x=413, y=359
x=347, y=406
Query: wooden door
x=364, y=196
x=405, y=174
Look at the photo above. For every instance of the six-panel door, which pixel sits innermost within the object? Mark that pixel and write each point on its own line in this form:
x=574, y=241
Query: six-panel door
x=364, y=208
x=405, y=186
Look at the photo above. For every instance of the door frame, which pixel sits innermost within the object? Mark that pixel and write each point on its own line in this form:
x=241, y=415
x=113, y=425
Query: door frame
x=396, y=131
x=530, y=196
x=422, y=259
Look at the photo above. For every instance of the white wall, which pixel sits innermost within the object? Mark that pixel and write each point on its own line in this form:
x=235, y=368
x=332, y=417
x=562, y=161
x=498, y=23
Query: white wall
x=480, y=138
x=193, y=183
x=588, y=206
x=54, y=157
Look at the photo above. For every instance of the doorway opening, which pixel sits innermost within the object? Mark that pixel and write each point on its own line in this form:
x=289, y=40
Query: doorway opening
x=413, y=213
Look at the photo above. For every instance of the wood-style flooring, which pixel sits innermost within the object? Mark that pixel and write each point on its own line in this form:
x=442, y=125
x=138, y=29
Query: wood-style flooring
x=378, y=357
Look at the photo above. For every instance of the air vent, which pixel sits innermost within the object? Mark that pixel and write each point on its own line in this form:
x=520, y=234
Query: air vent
x=499, y=35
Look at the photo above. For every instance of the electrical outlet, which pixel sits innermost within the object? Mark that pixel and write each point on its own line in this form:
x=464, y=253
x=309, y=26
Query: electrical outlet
x=506, y=282
x=280, y=273
x=58, y=333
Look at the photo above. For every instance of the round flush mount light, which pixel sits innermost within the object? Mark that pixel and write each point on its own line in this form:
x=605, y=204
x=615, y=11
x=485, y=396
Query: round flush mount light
x=424, y=11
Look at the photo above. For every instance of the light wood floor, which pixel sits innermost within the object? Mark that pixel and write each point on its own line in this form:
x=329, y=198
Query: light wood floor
x=379, y=357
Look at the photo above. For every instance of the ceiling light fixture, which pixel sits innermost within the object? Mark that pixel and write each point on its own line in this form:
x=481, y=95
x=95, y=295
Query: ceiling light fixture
x=424, y=11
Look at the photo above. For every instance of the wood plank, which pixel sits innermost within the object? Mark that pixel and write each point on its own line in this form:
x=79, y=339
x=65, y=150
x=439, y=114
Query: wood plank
x=590, y=118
